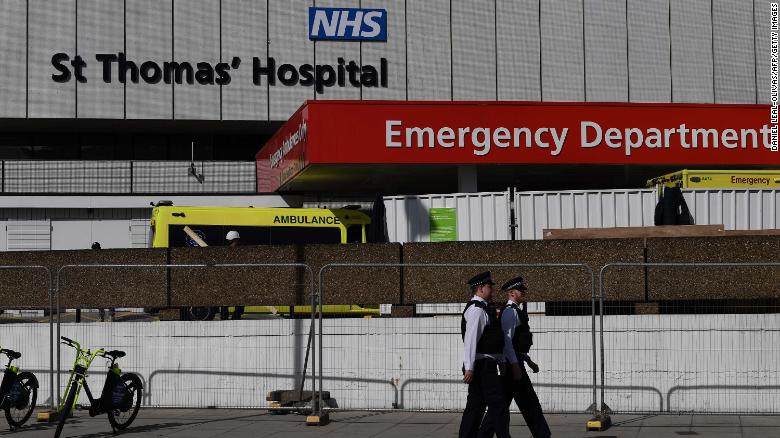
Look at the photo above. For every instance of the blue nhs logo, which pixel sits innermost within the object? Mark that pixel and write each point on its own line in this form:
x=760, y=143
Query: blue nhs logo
x=347, y=24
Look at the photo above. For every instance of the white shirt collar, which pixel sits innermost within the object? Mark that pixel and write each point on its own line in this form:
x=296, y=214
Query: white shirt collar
x=512, y=302
x=478, y=298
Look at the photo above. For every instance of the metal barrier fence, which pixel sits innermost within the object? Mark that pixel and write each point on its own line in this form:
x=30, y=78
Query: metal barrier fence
x=216, y=364
x=663, y=355
x=715, y=354
x=42, y=365
x=414, y=364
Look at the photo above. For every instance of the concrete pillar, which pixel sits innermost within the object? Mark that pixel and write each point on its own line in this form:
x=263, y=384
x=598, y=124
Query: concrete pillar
x=467, y=179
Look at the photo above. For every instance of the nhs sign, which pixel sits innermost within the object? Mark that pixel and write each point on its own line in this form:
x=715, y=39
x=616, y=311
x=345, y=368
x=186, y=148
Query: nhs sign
x=349, y=24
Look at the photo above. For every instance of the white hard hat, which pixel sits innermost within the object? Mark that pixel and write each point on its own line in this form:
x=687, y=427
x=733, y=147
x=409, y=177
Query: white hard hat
x=232, y=235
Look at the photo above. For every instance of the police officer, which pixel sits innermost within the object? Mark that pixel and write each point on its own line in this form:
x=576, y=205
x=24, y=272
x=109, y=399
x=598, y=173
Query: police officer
x=518, y=340
x=483, y=346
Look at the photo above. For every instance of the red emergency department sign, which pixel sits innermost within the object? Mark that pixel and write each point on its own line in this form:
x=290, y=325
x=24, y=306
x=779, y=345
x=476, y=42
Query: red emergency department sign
x=390, y=132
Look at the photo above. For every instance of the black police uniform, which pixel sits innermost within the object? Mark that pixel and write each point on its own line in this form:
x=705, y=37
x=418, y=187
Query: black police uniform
x=522, y=391
x=486, y=387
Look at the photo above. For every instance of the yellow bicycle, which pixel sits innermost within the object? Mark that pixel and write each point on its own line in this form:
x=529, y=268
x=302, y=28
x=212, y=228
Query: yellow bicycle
x=18, y=392
x=121, y=396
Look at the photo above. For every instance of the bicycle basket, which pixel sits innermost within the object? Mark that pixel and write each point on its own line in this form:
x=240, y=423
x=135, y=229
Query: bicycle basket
x=18, y=395
x=121, y=397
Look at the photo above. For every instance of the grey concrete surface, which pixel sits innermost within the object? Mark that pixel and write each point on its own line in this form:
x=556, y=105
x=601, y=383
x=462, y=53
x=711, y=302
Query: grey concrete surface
x=203, y=423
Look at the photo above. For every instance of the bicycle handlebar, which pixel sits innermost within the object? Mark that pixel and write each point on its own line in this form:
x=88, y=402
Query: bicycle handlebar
x=70, y=342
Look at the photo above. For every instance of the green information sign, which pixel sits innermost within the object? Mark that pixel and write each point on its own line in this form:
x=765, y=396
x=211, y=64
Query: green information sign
x=444, y=225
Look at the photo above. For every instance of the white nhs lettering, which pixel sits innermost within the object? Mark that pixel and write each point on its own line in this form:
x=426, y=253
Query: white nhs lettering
x=347, y=24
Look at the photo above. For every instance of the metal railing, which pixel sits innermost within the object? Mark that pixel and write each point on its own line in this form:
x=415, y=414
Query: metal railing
x=729, y=358
x=320, y=408
x=309, y=283
x=49, y=293
x=717, y=396
x=127, y=176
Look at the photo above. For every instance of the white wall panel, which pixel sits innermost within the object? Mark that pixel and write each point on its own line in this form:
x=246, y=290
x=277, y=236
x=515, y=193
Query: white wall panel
x=692, y=74
x=394, y=50
x=428, y=49
x=376, y=362
x=288, y=43
x=82, y=233
x=479, y=216
x=52, y=30
x=474, y=50
x=100, y=30
x=196, y=39
x=328, y=52
x=735, y=209
x=245, y=35
x=71, y=234
x=140, y=233
x=674, y=363
x=706, y=50
x=13, y=52
x=650, y=77
x=3, y=234
x=149, y=38
x=28, y=235
x=563, y=55
x=536, y=211
x=762, y=16
x=113, y=233
x=518, y=46
x=735, y=74
x=606, y=51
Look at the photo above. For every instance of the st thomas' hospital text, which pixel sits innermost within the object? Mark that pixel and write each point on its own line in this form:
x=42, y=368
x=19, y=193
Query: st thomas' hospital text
x=116, y=67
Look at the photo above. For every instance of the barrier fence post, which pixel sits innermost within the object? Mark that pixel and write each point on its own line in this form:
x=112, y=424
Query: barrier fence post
x=311, y=342
x=704, y=268
x=59, y=289
x=50, y=349
x=591, y=387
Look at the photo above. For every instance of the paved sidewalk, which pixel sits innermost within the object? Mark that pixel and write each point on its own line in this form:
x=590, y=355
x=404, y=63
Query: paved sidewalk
x=202, y=423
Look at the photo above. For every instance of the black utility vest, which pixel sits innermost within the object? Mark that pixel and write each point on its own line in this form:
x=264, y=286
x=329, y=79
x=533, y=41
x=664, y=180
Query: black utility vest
x=492, y=340
x=522, y=338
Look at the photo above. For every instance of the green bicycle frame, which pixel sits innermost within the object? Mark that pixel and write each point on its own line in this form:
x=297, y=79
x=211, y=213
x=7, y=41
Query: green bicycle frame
x=78, y=375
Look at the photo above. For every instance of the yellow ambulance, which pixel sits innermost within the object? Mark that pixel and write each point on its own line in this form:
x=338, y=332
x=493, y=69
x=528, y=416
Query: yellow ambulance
x=719, y=179
x=259, y=226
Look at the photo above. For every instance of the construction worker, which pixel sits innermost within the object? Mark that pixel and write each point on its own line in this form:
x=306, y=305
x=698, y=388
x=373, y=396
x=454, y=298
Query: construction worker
x=234, y=240
x=483, y=362
x=518, y=340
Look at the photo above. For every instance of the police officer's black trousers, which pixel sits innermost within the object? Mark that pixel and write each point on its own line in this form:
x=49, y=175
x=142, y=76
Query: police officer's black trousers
x=485, y=390
x=522, y=391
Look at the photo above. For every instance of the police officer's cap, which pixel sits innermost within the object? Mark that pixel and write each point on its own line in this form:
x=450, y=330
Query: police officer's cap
x=515, y=283
x=480, y=279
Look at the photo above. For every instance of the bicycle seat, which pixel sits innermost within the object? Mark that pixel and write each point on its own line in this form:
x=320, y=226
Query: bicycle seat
x=12, y=354
x=115, y=354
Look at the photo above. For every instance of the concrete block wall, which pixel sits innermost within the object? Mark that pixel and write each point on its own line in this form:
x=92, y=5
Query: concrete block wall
x=212, y=286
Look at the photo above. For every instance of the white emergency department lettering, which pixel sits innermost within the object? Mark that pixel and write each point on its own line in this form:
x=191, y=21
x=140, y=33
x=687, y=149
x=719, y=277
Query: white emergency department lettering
x=483, y=140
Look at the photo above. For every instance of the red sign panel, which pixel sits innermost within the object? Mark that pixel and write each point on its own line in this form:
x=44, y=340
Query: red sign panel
x=284, y=155
x=339, y=132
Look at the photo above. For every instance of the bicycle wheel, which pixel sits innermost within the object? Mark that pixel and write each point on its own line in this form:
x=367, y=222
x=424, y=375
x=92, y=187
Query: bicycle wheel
x=67, y=407
x=18, y=413
x=121, y=417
